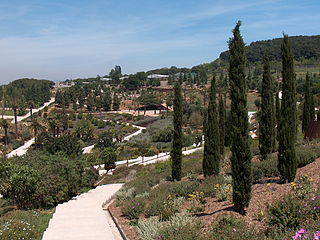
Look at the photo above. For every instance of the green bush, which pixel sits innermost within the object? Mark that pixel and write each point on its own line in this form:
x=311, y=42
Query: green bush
x=101, y=124
x=179, y=226
x=17, y=143
x=40, y=180
x=26, y=135
x=183, y=188
x=66, y=144
x=264, y=169
x=170, y=206
x=162, y=167
x=18, y=183
x=207, y=186
x=285, y=215
x=163, y=135
x=133, y=208
x=228, y=227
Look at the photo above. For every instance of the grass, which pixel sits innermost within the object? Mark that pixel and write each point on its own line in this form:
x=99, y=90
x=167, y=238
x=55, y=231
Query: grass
x=20, y=224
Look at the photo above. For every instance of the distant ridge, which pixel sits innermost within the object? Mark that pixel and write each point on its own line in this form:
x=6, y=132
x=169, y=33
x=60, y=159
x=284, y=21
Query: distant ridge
x=303, y=47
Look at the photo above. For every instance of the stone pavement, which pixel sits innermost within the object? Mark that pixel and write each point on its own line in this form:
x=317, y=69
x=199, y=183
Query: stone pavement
x=83, y=218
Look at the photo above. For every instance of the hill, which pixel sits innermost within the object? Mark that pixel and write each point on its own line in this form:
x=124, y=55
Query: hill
x=28, y=90
x=304, y=47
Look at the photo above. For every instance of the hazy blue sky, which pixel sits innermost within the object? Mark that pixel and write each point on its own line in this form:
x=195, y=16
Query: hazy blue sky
x=60, y=39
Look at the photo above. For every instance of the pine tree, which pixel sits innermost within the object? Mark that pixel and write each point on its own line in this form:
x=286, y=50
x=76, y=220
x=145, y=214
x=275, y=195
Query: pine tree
x=287, y=161
x=222, y=123
x=241, y=156
x=266, y=124
x=176, y=152
x=211, y=155
x=307, y=105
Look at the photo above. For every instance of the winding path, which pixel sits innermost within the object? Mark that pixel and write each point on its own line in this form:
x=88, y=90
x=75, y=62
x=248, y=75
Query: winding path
x=83, y=217
x=20, y=118
x=20, y=151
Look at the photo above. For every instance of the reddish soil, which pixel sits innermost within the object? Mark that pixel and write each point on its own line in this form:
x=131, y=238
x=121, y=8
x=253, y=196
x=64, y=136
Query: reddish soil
x=262, y=196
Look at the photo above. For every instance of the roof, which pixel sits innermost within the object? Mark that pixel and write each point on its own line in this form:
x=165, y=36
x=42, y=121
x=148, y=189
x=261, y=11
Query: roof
x=313, y=130
x=158, y=76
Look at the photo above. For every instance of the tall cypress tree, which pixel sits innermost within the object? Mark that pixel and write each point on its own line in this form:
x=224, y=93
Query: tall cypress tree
x=287, y=161
x=312, y=111
x=222, y=123
x=278, y=113
x=266, y=124
x=274, y=123
x=211, y=155
x=307, y=105
x=176, y=152
x=241, y=156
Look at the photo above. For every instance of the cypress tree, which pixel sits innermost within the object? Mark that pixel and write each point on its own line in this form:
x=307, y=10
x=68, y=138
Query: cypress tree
x=211, y=155
x=274, y=130
x=222, y=123
x=312, y=111
x=241, y=156
x=307, y=105
x=265, y=126
x=176, y=152
x=278, y=114
x=287, y=161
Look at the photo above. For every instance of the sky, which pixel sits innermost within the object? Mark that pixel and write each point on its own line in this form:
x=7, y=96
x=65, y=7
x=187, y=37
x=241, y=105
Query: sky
x=68, y=39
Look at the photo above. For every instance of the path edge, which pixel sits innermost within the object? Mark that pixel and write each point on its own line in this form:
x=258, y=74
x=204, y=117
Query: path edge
x=114, y=219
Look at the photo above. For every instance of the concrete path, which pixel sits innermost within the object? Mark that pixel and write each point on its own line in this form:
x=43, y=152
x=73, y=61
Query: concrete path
x=83, y=217
x=21, y=150
x=89, y=149
x=20, y=118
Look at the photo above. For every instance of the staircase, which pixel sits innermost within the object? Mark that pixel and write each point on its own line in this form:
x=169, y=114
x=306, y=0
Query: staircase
x=83, y=218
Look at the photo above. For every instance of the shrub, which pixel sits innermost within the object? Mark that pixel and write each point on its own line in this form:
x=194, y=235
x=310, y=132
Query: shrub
x=264, y=169
x=149, y=229
x=228, y=227
x=285, y=215
x=163, y=166
x=170, y=206
x=17, y=143
x=207, y=186
x=40, y=180
x=18, y=183
x=197, y=202
x=133, y=208
x=125, y=194
x=101, y=124
x=302, y=187
x=26, y=135
x=154, y=207
x=305, y=157
x=163, y=135
x=223, y=191
x=183, y=189
x=179, y=226
x=66, y=144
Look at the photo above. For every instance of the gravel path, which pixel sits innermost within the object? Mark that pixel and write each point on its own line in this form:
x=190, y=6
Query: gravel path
x=83, y=217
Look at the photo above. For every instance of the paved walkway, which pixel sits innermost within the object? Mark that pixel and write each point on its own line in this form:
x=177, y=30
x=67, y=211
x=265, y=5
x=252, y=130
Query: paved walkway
x=21, y=150
x=83, y=217
x=20, y=118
